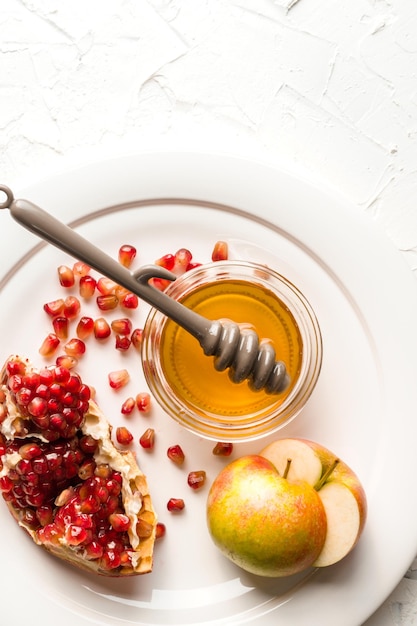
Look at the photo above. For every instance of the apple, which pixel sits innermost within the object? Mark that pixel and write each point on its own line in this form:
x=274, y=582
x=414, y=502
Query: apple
x=337, y=485
x=266, y=523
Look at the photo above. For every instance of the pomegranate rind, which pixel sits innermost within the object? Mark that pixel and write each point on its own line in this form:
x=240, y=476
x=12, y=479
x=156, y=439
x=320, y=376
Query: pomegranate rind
x=136, y=496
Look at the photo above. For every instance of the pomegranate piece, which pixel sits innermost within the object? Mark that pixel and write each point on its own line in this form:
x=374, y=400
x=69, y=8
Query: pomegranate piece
x=122, y=343
x=222, y=449
x=60, y=325
x=66, y=276
x=220, y=251
x=49, y=345
x=147, y=440
x=102, y=329
x=136, y=338
x=143, y=402
x=196, y=479
x=80, y=269
x=126, y=255
x=182, y=259
x=78, y=496
x=118, y=378
x=160, y=530
x=54, y=308
x=106, y=286
x=87, y=286
x=75, y=347
x=72, y=307
x=176, y=454
x=121, y=326
x=123, y=436
x=175, y=504
x=129, y=301
x=167, y=261
x=107, y=302
x=85, y=327
x=128, y=406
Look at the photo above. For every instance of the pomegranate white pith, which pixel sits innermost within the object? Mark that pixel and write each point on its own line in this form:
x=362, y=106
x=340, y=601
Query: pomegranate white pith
x=62, y=478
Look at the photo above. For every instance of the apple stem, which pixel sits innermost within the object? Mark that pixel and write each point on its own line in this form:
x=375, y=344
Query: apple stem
x=326, y=475
x=287, y=468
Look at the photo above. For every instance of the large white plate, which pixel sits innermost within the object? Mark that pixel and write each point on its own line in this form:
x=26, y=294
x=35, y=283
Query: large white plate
x=363, y=406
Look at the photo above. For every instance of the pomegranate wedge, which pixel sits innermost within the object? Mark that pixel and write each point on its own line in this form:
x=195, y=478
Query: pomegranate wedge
x=63, y=479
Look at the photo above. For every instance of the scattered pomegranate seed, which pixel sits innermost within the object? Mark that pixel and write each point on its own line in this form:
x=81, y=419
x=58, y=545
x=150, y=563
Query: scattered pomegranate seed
x=126, y=255
x=175, y=504
x=193, y=265
x=143, y=402
x=72, y=307
x=147, y=440
x=80, y=268
x=123, y=436
x=167, y=261
x=75, y=347
x=122, y=326
x=107, y=302
x=196, y=479
x=54, y=308
x=106, y=286
x=176, y=454
x=220, y=251
x=128, y=406
x=67, y=361
x=102, y=329
x=118, y=379
x=66, y=276
x=136, y=338
x=159, y=283
x=122, y=343
x=49, y=345
x=60, y=325
x=160, y=530
x=129, y=301
x=87, y=286
x=85, y=327
x=182, y=259
x=223, y=449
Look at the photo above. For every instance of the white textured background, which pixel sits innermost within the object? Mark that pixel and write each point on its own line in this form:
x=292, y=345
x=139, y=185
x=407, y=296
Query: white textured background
x=328, y=86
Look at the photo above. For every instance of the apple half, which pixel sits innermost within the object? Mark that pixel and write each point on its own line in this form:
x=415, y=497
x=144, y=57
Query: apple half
x=337, y=485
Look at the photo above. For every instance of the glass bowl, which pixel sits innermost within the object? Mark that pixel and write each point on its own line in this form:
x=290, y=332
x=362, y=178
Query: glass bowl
x=184, y=380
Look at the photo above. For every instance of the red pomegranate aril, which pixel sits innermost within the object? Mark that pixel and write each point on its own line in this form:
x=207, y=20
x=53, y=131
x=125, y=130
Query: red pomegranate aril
x=147, y=440
x=46, y=376
x=143, y=402
x=123, y=435
x=159, y=283
x=67, y=361
x=54, y=308
x=93, y=550
x=24, y=396
x=182, y=259
x=37, y=407
x=129, y=301
x=87, y=286
x=122, y=326
x=75, y=535
x=75, y=347
x=80, y=268
x=160, y=530
x=223, y=449
x=61, y=375
x=88, y=444
x=122, y=343
x=175, y=504
x=31, y=380
x=118, y=378
x=106, y=286
x=196, y=479
x=86, y=470
x=107, y=302
x=102, y=329
x=220, y=251
x=126, y=255
x=44, y=514
x=6, y=484
x=30, y=451
x=128, y=406
x=85, y=327
x=72, y=307
x=192, y=266
x=49, y=345
x=167, y=261
x=176, y=454
x=119, y=522
x=66, y=276
x=110, y=559
x=136, y=338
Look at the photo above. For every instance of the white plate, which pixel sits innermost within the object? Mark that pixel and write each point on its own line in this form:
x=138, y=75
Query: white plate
x=363, y=406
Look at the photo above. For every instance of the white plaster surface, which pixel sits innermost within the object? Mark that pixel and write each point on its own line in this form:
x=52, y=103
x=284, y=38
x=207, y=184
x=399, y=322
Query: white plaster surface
x=329, y=86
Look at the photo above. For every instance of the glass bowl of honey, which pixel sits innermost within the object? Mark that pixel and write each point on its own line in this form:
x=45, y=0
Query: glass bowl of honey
x=184, y=380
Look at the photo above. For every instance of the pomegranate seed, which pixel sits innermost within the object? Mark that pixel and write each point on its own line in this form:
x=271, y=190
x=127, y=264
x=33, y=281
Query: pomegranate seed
x=66, y=276
x=94, y=550
x=159, y=283
x=160, y=530
x=196, y=479
x=107, y=302
x=123, y=435
x=126, y=255
x=128, y=406
x=147, y=440
x=71, y=307
x=220, y=251
x=122, y=343
x=45, y=515
x=122, y=326
x=167, y=261
x=61, y=375
x=129, y=301
x=102, y=329
x=118, y=379
x=143, y=402
x=85, y=327
x=176, y=454
x=182, y=259
x=60, y=325
x=136, y=338
x=80, y=268
x=30, y=451
x=106, y=286
x=49, y=345
x=69, y=362
x=54, y=308
x=85, y=471
x=175, y=504
x=87, y=286
x=88, y=444
x=75, y=347
x=223, y=449
x=192, y=266
x=119, y=522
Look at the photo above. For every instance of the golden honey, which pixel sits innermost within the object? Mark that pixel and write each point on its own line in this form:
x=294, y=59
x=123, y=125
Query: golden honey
x=192, y=375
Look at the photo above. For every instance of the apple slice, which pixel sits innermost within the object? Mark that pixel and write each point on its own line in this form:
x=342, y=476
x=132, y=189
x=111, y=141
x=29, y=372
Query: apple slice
x=343, y=523
x=305, y=463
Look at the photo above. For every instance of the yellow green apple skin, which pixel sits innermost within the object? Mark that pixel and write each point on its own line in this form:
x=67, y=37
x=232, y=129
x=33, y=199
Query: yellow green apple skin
x=262, y=522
